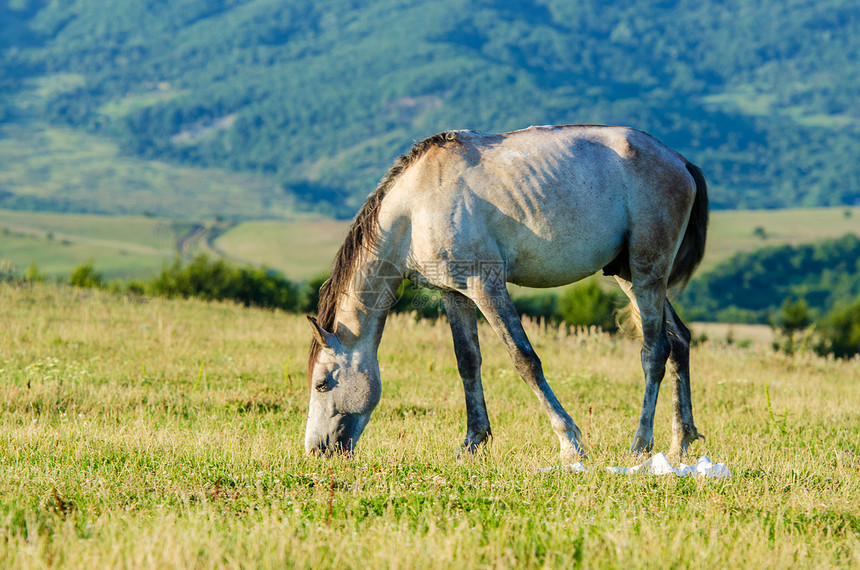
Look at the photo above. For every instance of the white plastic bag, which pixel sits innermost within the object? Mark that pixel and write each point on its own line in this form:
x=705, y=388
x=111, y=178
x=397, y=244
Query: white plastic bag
x=659, y=465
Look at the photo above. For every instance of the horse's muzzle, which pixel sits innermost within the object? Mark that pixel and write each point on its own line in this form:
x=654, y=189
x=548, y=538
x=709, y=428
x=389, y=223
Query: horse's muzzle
x=323, y=449
x=346, y=432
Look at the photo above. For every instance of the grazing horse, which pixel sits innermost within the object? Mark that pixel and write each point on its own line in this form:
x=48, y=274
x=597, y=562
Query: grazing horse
x=465, y=213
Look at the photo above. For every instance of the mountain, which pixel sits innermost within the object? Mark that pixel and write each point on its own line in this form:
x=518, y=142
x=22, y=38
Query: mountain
x=320, y=96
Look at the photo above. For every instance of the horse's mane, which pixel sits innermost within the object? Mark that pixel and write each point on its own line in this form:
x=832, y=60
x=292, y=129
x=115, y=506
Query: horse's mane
x=362, y=235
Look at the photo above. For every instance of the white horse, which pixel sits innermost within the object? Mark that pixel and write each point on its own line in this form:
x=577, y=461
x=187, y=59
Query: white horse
x=465, y=212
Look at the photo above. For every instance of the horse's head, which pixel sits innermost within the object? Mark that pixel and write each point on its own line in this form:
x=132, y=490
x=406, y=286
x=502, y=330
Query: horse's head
x=345, y=388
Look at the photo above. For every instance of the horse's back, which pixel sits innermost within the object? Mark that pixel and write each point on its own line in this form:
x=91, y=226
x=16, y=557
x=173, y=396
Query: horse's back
x=553, y=204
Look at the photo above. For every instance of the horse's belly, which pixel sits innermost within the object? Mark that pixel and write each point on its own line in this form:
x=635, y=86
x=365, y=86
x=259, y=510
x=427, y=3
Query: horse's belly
x=534, y=272
x=565, y=256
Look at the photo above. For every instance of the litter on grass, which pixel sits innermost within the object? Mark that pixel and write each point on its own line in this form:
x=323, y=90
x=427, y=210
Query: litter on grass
x=659, y=465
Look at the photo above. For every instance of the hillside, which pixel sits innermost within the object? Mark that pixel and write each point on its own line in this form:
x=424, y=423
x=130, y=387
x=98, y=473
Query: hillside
x=302, y=248
x=319, y=97
x=750, y=287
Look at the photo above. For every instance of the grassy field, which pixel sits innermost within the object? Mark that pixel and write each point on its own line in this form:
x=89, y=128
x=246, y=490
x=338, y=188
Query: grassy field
x=150, y=434
x=121, y=246
x=731, y=232
x=300, y=249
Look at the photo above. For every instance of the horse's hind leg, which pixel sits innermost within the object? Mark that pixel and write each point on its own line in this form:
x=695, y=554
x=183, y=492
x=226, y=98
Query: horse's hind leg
x=492, y=297
x=649, y=298
x=464, y=328
x=683, y=429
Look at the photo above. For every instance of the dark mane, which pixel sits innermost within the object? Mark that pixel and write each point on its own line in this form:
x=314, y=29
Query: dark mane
x=362, y=236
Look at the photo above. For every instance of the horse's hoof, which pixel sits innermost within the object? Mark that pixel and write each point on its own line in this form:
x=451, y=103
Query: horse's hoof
x=466, y=452
x=470, y=447
x=641, y=445
x=572, y=454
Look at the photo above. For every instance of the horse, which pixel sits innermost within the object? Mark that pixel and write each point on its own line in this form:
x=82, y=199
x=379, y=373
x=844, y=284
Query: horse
x=465, y=213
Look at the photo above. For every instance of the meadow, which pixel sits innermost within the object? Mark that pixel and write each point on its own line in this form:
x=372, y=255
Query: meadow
x=124, y=246
x=147, y=433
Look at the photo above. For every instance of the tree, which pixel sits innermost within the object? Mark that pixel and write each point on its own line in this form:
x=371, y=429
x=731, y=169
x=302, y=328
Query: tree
x=791, y=325
x=840, y=331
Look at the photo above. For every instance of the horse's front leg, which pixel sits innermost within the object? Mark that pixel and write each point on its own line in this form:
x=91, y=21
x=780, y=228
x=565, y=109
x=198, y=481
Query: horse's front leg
x=497, y=307
x=684, y=431
x=464, y=328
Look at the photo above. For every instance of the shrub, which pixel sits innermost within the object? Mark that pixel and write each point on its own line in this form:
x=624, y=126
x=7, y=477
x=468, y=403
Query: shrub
x=309, y=295
x=262, y=287
x=587, y=304
x=32, y=274
x=542, y=305
x=7, y=271
x=86, y=277
x=219, y=280
x=422, y=302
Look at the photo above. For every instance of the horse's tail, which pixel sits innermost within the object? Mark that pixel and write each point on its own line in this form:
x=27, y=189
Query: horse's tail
x=693, y=245
x=689, y=254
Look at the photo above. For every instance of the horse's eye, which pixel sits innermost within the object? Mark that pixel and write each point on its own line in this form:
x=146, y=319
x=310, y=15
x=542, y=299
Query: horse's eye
x=322, y=385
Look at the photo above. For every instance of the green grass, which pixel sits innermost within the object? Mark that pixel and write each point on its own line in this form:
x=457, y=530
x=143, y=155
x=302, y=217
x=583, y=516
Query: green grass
x=732, y=232
x=300, y=249
x=57, y=258
x=147, y=434
x=121, y=246
x=135, y=232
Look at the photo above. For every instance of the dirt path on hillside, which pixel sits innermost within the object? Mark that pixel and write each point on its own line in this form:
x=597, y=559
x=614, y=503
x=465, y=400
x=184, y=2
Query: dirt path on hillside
x=201, y=240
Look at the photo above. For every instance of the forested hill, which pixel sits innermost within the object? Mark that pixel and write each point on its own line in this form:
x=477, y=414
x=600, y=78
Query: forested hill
x=751, y=286
x=321, y=95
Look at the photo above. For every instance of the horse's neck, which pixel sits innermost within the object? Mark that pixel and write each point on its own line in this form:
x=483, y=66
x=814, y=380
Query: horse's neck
x=364, y=306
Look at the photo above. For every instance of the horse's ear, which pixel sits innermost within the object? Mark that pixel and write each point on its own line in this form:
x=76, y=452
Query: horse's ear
x=322, y=336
